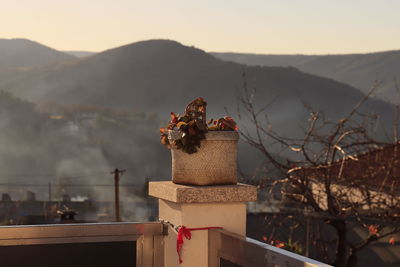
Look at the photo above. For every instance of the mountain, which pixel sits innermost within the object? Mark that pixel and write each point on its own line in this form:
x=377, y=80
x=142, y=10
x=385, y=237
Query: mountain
x=25, y=54
x=358, y=70
x=139, y=84
x=80, y=54
x=160, y=76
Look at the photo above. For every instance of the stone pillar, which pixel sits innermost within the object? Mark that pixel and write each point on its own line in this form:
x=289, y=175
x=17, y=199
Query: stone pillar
x=200, y=206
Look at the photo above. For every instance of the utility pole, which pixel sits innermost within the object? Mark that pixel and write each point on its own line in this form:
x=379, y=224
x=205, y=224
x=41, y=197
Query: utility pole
x=117, y=174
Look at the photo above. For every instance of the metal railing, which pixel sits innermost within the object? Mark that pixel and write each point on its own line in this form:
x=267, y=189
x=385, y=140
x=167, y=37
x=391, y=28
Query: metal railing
x=228, y=249
x=147, y=239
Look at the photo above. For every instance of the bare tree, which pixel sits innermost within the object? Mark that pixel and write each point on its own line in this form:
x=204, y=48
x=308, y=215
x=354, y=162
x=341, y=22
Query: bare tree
x=338, y=171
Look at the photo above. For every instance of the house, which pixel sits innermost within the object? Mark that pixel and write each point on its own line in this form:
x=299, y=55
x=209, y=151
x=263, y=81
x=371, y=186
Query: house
x=369, y=180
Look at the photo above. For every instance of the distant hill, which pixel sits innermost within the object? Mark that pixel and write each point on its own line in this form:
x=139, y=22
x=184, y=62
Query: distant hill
x=25, y=54
x=160, y=76
x=143, y=82
x=357, y=70
x=79, y=54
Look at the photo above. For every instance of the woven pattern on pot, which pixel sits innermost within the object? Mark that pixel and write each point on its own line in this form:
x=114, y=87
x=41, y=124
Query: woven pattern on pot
x=214, y=163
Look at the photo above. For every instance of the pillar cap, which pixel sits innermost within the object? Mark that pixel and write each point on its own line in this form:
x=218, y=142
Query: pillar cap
x=202, y=194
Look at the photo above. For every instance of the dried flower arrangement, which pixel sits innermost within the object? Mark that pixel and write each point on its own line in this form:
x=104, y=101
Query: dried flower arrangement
x=193, y=126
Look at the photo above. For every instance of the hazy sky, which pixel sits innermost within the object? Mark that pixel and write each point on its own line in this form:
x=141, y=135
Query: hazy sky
x=256, y=26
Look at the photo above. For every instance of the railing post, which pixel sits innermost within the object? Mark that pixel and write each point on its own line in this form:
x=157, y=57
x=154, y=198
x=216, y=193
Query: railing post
x=196, y=207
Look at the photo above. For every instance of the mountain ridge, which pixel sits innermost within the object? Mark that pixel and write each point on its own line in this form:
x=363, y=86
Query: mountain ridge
x=360, y=70
x=19, y=53
x=160, y=75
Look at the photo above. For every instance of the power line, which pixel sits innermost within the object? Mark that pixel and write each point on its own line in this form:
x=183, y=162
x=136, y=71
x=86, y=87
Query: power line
x=70, y=176
x=58, y=184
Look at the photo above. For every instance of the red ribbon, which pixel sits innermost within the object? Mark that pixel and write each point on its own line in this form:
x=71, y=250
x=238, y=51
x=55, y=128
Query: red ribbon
x=186, y=232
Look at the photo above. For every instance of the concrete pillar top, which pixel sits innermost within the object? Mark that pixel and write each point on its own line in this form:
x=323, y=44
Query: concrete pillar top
x=202, y=194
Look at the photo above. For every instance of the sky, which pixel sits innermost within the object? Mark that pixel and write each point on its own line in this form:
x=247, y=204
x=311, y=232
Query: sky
x=252, y=26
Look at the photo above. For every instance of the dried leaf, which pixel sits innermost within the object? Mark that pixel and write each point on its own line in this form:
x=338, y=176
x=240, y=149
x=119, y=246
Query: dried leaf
x=180, y=124
x=164, y=140
x=174, y=118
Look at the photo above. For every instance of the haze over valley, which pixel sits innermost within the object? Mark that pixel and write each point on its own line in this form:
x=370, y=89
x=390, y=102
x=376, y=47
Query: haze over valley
x=68, y=116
